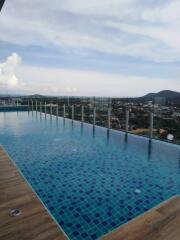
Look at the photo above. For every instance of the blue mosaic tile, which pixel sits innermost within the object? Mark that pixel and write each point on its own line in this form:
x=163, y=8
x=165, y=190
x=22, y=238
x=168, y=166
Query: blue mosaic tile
x=90, y=185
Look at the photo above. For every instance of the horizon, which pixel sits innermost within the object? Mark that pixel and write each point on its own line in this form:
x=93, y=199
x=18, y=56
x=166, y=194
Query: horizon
x=115, y=48
x=81, y=96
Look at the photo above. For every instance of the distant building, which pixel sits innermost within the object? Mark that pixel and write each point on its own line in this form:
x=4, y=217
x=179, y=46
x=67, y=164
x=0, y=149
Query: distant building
x=2, y=102
x=150, y=103
x=160, y=100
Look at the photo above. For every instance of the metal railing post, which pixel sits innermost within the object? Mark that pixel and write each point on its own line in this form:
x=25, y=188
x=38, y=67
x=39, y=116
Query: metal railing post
x=45, y=108
x=127, y=120
x=51, y=109
x=82, y=113
x=109, y=118
x=64, y=110
x=57, y=110
x=40, y=106
x=94, y=116
x=32, y=105
x=151, y=127
x=36, y=106
x=72, y=112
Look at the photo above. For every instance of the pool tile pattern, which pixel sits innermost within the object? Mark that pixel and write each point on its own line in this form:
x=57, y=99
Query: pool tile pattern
x=91, y=183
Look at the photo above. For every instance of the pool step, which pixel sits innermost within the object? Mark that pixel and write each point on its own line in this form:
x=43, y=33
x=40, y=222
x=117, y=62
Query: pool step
x=22, y=215
x=159, y=223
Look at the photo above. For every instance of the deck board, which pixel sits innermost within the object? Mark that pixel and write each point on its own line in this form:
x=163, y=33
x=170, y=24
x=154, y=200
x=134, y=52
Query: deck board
x=160, y=223
x=34, y=223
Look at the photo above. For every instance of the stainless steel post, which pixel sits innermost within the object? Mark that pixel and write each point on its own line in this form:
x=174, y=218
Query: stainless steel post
x=82, y=113
x=109, y=118
x=40, y=106
x=57, y=110
x=45, y=108
x=32, y=105
x=151, y=125
x=51, y=109
x=64, y=110
x=36, y=106
x=72, y=112
x=127, y=121
x=94, y=116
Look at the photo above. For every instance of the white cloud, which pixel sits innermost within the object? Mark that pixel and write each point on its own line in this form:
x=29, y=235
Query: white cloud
x=8, y=70
x=54, y=81
x=143, y=29
x=90, y=83
x=166, y=13
x=115, y=8
x=147, y=30
x=10, y=80
x=13, y=81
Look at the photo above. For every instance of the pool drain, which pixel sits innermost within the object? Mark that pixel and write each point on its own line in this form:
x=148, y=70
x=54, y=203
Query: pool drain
x=15, y=212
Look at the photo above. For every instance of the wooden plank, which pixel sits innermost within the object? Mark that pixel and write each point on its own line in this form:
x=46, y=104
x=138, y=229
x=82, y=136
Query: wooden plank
x=34, y=223
x=160, y=223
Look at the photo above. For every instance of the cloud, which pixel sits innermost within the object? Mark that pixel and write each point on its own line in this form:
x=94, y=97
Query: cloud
x=53, y=81
x=8, y=70
x=10, y=80
x=61, y=81
x=124, y=36
x=111, y=8
x=147, y=30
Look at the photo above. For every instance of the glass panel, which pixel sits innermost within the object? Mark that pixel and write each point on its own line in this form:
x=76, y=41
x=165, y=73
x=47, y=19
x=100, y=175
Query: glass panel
x=118, y=115
x=77, y=112
x=139, y=121
x=167, y=128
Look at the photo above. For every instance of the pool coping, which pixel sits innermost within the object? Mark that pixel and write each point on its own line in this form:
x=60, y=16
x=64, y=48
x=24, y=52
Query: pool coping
x=138, y=219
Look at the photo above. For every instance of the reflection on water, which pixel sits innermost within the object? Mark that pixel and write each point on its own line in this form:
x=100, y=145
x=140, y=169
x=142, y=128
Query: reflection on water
x=81, y=128
x=125, y=141
x=108, y=134
x=15, y=122
x=94, y=130
x=149, y=149
x=11, y=120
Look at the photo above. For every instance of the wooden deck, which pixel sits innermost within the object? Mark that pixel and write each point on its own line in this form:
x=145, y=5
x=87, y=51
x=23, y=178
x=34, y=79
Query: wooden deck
x=160, y=223
x=34, y=223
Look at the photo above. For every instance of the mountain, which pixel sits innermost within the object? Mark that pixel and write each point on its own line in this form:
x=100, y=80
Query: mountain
x=165, y=93
x=35, y=96
x=149, y=96
x=169, y=95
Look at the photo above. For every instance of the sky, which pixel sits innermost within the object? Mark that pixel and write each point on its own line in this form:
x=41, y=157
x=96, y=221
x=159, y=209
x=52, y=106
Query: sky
x=112, y=48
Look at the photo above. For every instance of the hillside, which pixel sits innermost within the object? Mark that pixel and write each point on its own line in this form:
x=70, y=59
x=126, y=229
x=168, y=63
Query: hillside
x=171, y=96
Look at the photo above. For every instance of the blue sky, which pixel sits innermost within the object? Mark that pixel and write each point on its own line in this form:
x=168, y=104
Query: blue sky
x=78, y=47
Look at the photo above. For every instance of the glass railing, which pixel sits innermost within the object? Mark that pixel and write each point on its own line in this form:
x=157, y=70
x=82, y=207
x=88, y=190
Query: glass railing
x=139, y=122
x=167, y=129
x=165, y=124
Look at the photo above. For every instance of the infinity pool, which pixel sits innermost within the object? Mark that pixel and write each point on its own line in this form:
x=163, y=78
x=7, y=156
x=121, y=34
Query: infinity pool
x=91, y=182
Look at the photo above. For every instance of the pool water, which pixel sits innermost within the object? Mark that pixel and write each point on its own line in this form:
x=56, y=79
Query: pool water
x=91, y=181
